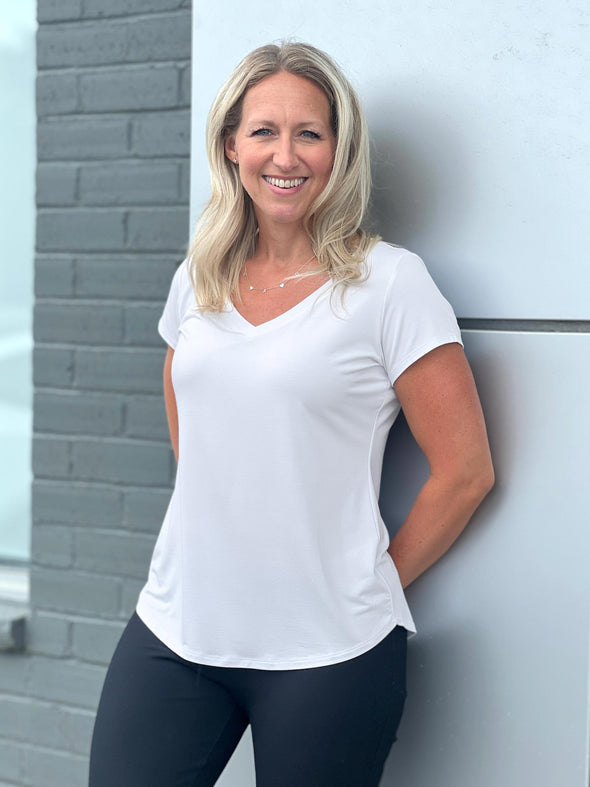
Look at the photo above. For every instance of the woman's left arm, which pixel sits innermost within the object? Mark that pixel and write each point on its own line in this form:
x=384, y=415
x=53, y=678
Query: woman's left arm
x=442, y=408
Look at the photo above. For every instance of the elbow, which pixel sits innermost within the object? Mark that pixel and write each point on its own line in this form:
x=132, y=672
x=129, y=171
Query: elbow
x=487, y=483
x=471, y=481
x=481, y=480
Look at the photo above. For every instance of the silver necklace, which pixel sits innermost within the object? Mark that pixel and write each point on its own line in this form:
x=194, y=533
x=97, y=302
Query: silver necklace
x=281, y=284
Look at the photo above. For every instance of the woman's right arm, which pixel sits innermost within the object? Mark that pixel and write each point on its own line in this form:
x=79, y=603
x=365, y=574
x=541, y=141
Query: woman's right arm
x=170, y=402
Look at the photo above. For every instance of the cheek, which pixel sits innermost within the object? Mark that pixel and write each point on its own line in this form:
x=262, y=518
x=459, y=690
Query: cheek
x=328, y=163
x=250, y=162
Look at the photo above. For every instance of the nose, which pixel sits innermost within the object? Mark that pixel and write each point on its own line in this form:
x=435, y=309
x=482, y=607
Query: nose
x=284, y=155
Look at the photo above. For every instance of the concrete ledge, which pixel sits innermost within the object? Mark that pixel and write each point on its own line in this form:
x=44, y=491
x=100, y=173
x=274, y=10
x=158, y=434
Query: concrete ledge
x=14, y=607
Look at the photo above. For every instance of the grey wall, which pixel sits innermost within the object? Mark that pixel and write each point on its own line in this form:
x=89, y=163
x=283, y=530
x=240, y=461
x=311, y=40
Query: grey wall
x=478, y=116
x=112, y=195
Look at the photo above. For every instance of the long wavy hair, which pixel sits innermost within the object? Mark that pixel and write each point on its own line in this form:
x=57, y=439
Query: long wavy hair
x=226, y=233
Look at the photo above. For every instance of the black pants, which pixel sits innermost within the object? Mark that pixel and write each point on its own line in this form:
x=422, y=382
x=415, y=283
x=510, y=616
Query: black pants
x=166, y=722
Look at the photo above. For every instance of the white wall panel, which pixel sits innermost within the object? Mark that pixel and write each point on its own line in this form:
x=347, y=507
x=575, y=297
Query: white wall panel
x=479, y=116
x=498, y=674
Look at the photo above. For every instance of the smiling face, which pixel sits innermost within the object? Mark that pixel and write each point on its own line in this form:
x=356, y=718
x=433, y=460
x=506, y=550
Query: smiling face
x=284, y=146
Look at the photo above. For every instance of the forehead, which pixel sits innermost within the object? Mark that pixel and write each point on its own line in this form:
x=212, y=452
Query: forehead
x=284, y=91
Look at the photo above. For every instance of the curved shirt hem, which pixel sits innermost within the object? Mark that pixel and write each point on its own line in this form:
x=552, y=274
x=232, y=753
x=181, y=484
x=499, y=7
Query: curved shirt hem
x=304, y=663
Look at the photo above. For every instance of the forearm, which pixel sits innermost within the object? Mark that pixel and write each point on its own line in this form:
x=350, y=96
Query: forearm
x=440, y=513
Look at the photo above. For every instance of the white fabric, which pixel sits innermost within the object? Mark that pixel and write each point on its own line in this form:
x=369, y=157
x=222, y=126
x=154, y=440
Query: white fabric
x=272, y=553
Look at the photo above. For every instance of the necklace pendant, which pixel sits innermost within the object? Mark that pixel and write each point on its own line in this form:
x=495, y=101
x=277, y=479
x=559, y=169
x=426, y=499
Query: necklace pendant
x=282, y=284
x=264, y=290
x=251, y=287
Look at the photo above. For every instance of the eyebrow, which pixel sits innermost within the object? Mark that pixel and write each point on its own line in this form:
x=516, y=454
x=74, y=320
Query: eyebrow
x=256, y=122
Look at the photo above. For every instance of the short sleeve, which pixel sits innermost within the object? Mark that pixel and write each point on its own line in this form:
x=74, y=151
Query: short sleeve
x=416, y=317
x=180, y=299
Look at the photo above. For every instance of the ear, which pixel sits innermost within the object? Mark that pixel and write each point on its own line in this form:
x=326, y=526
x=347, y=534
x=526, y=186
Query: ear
x=230, y=148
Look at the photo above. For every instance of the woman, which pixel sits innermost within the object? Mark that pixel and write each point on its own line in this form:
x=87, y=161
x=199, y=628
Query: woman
x=274, y=597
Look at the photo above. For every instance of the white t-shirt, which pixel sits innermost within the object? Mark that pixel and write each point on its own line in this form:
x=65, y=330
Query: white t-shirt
x=273, y=553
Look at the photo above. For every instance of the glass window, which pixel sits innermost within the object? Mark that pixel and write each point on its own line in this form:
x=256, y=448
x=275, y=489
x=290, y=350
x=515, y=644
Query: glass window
x=17, y=222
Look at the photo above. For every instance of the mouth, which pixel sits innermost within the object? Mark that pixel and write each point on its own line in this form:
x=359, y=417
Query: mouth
x=283, y=183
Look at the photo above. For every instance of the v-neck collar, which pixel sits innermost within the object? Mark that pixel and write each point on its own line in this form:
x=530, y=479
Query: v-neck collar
x=246, y=326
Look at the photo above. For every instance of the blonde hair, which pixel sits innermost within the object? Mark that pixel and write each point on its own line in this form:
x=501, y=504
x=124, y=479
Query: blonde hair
x=225, y=235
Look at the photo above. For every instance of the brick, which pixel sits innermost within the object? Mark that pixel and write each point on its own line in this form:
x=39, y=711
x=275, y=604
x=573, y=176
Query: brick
x=76, y=504
x=68, y=322
x=15, y=717
x=129, y=88
x=185, y=97
x=54, y=276
x=49, y=635
x=56, y=769
x=185, y=181
x=81, y=44
x=68, y=729
x=146, y=418
x=164, y=229
x=111, y=8
x=121, y=462
x=125, y=278
x=121, y=554
x=77, y=413
x=160, y=38
x=82, y=138
x=53, y=366
x=56, y=184
x=135, y=370
x=129, y=183
x=57, y=94
x=51, y=457
x=80, y=229
x=52, y=545
x=14, y=673
x=161, y=134
x=95, y=641
x=141, y=324
x=66, y=681
x=11, y=761
x=58, y=10
x=145, y=509
x=77, y=322
x=69, y=591
x=129, y=596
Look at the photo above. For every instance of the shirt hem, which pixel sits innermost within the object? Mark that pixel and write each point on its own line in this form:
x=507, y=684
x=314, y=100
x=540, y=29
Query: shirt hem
x=305, y=663
x=168, y=338
x=420, y=352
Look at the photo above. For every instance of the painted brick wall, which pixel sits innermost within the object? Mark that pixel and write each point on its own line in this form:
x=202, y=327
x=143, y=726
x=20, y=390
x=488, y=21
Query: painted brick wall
x=113, y=97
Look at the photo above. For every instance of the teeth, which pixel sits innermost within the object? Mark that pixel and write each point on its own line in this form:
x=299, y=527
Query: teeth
x=284, y=184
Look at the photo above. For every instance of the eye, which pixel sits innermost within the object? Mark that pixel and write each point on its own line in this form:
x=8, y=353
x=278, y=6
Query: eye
x=261, y=132
x=310, y=134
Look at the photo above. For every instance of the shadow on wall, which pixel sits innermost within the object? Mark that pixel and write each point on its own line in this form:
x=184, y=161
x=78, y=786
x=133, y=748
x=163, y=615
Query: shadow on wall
x=415, y=755
x=425, y=188
x=420, y=168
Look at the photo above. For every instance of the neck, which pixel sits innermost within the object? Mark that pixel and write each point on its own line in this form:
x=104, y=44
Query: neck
x=282, y=247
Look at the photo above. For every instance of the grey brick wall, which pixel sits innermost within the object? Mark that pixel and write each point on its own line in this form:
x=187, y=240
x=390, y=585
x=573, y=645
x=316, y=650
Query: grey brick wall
x=112, y=223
